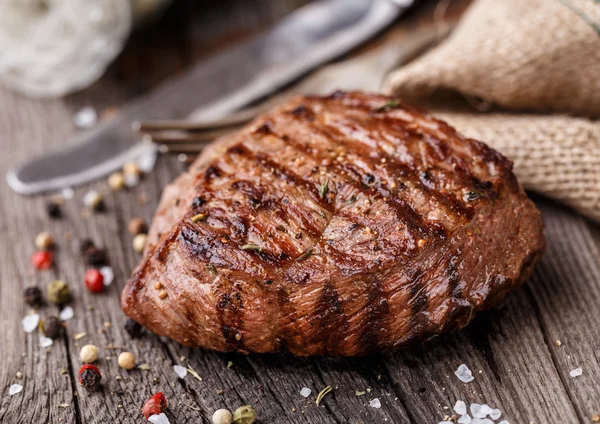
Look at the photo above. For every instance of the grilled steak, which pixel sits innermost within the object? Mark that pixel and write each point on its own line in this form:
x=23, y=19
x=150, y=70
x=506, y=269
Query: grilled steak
x=337, y=225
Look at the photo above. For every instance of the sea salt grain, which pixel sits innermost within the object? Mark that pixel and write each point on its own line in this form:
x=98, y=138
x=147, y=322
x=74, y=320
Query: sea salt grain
x=108, y=274
x=464, y=374
x=30, y=322
x=131, y=180
x=460, y=407
x=305, y=392
x=158, y=419
x=180, y=371
x=14, y=389
x=45, y=342
x=482, y=421
x=146, y=161
x=67, y=193
x=464, y=419
x=576, y=372
x=445, y=422
x=504, y=422
x=66, y=314
x=375, y=403
x=480, y=411
x=495, y=414
x=85, y=118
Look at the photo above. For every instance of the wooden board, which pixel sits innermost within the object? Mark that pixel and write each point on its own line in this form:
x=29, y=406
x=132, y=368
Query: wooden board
x=512, y=350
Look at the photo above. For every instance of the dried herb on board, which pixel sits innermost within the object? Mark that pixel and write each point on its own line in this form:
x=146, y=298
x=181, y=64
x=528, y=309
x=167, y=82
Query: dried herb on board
x=389, y=105
x=305, y=255
x=324, y=188
x=251, y=246
x=323, y=393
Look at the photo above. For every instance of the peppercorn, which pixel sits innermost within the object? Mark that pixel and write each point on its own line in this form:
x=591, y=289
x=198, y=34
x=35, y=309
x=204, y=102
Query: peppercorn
x=93, y=200
x=244, y=415
x=41, y=260
x=156, y=405
x=139, y=242
x=44, y=241
x=222, y=416
x=133, y=328
x=94, y=280
x=52, y=327
x=92, y=255
x=132, y=168
x=58, y=292
x=126, y=360
x=88, y=354
x=89, y=377
x=33, y=296
x=137, y=226
x=53, y=210
x=116, y=181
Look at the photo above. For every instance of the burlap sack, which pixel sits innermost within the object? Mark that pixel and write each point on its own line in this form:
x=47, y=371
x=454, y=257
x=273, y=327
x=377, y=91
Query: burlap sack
x=526, y=57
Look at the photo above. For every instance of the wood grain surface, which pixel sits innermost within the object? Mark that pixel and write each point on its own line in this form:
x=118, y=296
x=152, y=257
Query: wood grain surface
x=519, y=367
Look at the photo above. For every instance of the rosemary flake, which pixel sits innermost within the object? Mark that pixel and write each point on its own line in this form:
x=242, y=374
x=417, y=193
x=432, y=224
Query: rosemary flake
x=199, y=217
x=323, y=393
x=324, y=188
x=251, y=246
x=472, y=195
x=229, y=364
x=389, y=105
x=63, y=405
x=305, y=255
x=194, y=373
x=145, y=367
x=359, y=393
x=80, y=336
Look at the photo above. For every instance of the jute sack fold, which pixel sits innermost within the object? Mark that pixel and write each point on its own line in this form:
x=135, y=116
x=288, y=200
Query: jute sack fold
x=539, y=62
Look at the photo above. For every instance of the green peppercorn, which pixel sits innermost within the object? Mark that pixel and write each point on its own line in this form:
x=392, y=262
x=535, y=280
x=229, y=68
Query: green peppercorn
x=59, y=292
x=52, y=327
x=33, y=296
x=244, y=415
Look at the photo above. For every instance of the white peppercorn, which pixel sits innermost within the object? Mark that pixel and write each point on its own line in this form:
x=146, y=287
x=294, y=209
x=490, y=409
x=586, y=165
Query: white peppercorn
x=139, y=242
x=222, y=416
x=88, y=354
x=126, y=360
x=44, y=241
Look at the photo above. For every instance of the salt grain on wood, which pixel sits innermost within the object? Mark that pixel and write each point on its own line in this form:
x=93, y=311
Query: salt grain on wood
x=85, y=118
x=30, y=322
x=375, y=403
x=14, y=389
x=45, y=342
x=460, y=407
x=305, y=392
x=158, y=419
x=180, y=371
x=66, y=314
x=576, y=372
x=464, y=374
x=108, y=274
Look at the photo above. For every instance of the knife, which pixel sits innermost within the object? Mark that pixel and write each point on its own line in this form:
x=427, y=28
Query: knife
x=310, y=36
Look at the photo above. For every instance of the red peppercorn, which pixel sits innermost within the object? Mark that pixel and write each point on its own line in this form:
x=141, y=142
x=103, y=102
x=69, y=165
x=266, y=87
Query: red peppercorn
x=155, y=405
x=94, y=280
x=41, y=259
x=89, y=377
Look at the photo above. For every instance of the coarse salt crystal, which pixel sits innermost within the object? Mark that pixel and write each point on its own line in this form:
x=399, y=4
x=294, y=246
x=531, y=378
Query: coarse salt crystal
x=108, y=274
x=460, y=407
x=464, y=419
x=479, y=411
x=464, y=374
x=67, y=193
x=14, y=389
x=85, y=118
x=495, y=414
x=576, y=372
x=90, y=198
x=481, y=421
x=146, y=161
x=503, y=422
x=375, y=403
x=131, y=180
x=158, y=419
x=305, y=392
x=66, y=314
x=445, y=422
x=30, y=322
x=180, y=371
x=45, y=341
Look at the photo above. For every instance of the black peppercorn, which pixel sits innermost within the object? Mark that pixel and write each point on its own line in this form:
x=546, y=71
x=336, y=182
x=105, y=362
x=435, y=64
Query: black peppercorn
x=33, y=296
x=52, y=327
x=84, y=245
x=53, y=210
x=133, y=328
x=89, y=377
x=93, y=256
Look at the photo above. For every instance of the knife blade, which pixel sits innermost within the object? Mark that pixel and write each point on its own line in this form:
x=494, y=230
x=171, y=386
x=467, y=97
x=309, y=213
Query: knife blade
x=313, y=35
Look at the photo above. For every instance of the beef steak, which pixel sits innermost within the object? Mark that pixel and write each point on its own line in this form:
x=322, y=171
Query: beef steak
x=337, y=225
